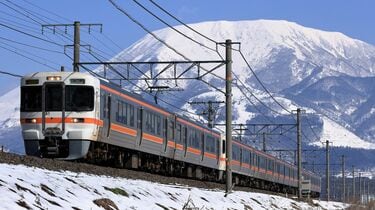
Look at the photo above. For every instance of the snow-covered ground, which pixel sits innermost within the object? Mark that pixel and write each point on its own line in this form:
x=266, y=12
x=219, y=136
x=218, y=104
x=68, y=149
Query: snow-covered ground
x=22, y=187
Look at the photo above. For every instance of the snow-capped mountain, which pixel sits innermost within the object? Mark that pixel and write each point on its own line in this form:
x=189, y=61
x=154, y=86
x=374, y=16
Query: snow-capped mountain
x=328, y=74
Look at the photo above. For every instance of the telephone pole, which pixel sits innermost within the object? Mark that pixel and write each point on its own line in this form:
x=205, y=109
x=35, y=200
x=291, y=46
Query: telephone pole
x=210, y=110
x=77, y=38
x=77, y=44
x=343, y=177
x=353, y=183
x=228, y=115
x=327, y=170
x=264, y=142
x=299, y=153
x=360, y=187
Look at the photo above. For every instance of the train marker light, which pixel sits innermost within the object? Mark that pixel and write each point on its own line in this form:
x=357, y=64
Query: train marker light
x=54, y=78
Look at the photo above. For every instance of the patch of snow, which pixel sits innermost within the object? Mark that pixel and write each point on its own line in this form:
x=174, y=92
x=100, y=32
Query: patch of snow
x=341, y=137
x=40, y=188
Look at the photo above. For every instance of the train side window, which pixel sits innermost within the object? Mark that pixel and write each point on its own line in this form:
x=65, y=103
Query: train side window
x=223, y=147
x=178, y=133
x=131, y=115
x=152, y=123
x=118, y=110
x=158, y=125
x=170, y=130
x=148, y=121
x=124, y=117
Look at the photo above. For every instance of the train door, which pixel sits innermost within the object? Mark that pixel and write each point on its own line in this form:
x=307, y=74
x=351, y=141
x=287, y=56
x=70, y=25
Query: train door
x=107, y=115
x=185, y=139
x=203, y=145
x=53, y=100
x=165, y=134
x=139, y=126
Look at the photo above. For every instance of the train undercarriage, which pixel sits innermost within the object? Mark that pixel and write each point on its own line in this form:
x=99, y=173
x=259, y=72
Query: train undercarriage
x=114, y=156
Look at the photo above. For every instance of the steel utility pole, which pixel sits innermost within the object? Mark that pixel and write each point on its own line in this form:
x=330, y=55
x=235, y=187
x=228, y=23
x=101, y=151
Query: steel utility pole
x=299, y=153
x=77, y=38
x=264, y=142
x=77, y=43
x=360, y=187
x=327, y=169
x=353, y=183
x=228, y=115
x=210, y=110
x=343, y=177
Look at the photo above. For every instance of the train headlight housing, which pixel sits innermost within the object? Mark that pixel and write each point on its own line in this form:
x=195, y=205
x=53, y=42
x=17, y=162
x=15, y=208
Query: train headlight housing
x=78, y=120
x=54, y=78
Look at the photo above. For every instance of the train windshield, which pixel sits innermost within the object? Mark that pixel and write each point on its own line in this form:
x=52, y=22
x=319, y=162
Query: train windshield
x=54, y=97
x=31, y=99
x=79, y=98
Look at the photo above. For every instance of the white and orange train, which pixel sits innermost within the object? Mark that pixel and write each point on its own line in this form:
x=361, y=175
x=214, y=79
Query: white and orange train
x=72, y=115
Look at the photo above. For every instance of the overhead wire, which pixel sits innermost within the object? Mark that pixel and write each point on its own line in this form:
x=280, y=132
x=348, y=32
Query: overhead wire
x=30, y=35
x=184, y=24
x=172, y=27
x=32, y=46
x=10, y=74
x=25, y=56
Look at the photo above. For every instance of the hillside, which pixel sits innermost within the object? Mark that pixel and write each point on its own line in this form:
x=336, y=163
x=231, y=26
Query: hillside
x=30, y=187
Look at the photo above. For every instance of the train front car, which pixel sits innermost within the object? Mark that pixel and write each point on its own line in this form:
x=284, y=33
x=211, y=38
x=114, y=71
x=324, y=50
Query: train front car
x=59, y=114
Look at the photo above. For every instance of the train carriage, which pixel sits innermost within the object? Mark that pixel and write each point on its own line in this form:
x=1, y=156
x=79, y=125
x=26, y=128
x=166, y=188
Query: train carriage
x=72, y=115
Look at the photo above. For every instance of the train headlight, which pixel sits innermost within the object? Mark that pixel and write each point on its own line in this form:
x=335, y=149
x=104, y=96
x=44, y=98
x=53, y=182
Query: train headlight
x=78, y=120
x=54, y=78
x=30, y=120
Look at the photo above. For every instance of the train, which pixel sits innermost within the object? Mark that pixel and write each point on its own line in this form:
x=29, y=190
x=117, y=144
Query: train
x=75, y=116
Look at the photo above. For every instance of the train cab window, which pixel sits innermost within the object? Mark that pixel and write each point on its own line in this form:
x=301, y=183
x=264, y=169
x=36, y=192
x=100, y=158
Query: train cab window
x=31, y=98
x=53, y=97
x=78, y=98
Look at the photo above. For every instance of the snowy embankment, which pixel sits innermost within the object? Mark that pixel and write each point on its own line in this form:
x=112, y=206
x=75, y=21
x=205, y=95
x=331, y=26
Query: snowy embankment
x=25, y=187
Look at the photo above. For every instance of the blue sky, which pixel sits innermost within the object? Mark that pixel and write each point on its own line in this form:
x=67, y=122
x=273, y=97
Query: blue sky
x=353, y=18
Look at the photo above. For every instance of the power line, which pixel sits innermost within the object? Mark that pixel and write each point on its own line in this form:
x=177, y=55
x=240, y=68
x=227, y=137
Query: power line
x=32, y=46
x=57, y=15
x=261, y=83
x=187, y=26
x=28, y=34
x=10, y=74
x=173, y=28
x=144, y=28
x=32, y=59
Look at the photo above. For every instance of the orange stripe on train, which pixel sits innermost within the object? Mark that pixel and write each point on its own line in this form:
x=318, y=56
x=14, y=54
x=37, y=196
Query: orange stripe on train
x=152, y=138
x=59, y=120
x=123, y=129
